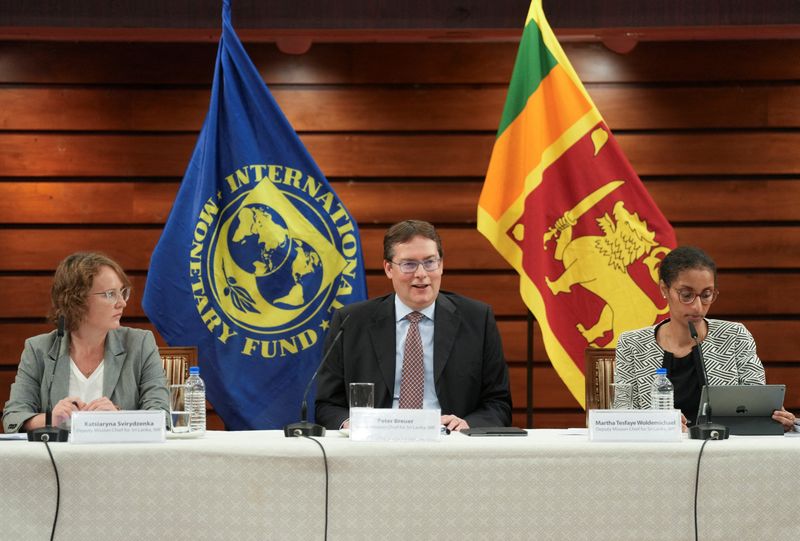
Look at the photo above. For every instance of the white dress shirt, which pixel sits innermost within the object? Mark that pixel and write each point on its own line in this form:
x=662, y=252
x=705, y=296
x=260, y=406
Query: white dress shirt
x=426, y=326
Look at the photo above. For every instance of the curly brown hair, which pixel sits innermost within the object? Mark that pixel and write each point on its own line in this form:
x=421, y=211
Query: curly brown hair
x=71, y=285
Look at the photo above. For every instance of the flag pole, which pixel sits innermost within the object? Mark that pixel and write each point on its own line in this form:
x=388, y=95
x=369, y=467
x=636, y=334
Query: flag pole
x=529, y=405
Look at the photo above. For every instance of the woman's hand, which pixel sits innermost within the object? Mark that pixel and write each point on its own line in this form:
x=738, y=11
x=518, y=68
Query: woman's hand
x=785, y=418
x=64, y=408
x=100, y=404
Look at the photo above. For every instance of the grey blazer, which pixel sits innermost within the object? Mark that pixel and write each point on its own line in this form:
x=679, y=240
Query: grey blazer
x=729, y=352
x=133, y=377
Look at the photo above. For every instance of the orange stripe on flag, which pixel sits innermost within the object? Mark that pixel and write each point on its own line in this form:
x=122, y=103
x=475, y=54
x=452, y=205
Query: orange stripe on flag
x=555, y=106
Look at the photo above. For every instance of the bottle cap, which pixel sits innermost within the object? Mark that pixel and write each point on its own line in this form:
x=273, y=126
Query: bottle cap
x=194, y=370
x=661, y=371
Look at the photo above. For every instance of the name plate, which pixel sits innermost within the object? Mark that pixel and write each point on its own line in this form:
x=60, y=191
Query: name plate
x=142, y=426
x=382, y=424
x=635, y=425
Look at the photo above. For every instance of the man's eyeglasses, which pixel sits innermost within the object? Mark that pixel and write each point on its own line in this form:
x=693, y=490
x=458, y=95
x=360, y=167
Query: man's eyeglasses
x=687, y=296
x=112, y=295
x=410, y=267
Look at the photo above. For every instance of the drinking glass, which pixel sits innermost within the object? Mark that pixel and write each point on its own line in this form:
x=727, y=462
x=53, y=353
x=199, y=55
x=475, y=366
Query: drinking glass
x=178, y=412
x=621, y=395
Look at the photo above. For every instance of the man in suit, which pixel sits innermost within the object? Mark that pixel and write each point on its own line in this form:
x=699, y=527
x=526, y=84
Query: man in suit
x=421, y=347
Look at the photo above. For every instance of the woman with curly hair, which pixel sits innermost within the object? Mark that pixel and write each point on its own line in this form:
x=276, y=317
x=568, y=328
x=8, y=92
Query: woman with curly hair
x=100, y=365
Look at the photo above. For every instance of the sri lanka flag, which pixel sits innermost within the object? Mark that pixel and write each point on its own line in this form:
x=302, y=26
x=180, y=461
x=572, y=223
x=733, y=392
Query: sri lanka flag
x=564, y=207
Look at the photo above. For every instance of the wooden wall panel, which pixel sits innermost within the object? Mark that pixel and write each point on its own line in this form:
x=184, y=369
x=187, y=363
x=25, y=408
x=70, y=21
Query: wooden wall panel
x=549, y=418
x=81, y=109
x=406, y=155
x=397, y=64
x=369, y=109
x=131, y=248
x=731, y=202
x=94, y=139
x=688, y=61
x=98, y=202
x=749, y=153
x=687, y=107
x=717, y=202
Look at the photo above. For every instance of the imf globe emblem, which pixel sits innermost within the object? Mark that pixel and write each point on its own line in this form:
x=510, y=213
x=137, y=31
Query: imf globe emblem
x=273, y=253
x=287, y=271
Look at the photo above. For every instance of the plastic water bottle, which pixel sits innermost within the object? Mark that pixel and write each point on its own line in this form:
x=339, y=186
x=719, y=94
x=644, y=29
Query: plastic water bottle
x=196, y=401
x=662, y=395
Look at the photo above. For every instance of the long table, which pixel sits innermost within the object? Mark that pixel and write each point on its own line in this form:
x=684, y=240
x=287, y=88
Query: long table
x=553, y=484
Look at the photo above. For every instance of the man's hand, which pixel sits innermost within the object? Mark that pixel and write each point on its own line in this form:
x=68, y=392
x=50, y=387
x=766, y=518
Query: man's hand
x=454, y=423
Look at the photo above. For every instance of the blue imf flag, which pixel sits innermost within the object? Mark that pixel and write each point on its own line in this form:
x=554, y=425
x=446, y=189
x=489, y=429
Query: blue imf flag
x=256, y=255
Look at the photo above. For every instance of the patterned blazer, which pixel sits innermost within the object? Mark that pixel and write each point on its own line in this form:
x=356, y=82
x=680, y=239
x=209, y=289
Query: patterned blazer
x=728, y=349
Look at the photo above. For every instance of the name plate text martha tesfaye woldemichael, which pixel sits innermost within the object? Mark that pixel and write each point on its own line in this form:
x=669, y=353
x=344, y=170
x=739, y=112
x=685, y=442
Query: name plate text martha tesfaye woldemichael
x=635, y=425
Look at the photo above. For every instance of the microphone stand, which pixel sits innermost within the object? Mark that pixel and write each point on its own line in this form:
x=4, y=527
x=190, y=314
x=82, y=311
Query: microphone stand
x=304, y=427
x=706, y=430
x=49, y=432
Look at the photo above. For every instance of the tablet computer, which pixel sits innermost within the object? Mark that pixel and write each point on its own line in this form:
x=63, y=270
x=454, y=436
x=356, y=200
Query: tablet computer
x=744, y=409
x=495, y=431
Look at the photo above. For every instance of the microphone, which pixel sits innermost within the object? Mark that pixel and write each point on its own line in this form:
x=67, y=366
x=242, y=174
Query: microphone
x=303, y=427
x=693, y=334
x=49, y=432
x=706, y=430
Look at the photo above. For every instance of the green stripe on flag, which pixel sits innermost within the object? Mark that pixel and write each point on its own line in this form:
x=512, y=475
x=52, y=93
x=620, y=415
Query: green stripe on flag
x=534, y=62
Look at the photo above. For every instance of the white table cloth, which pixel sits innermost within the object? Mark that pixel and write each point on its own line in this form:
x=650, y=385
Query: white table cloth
x=553, y=484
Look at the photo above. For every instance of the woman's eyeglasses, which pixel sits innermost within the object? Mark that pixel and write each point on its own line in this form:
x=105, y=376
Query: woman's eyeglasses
x=112, y=295
x=687, y=296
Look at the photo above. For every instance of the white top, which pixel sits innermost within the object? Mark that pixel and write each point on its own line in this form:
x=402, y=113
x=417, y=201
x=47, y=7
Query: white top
x=87, y=389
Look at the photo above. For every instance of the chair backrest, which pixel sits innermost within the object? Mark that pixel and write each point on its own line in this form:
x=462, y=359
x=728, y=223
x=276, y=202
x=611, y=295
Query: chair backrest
x=176, y=362
x=599, y=374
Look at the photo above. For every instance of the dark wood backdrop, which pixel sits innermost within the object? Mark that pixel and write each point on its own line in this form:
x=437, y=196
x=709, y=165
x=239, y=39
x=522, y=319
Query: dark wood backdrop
x=94, y=139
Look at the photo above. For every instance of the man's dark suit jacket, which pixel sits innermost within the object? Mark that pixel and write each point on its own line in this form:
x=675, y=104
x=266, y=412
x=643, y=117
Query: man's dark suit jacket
x=470, y=370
